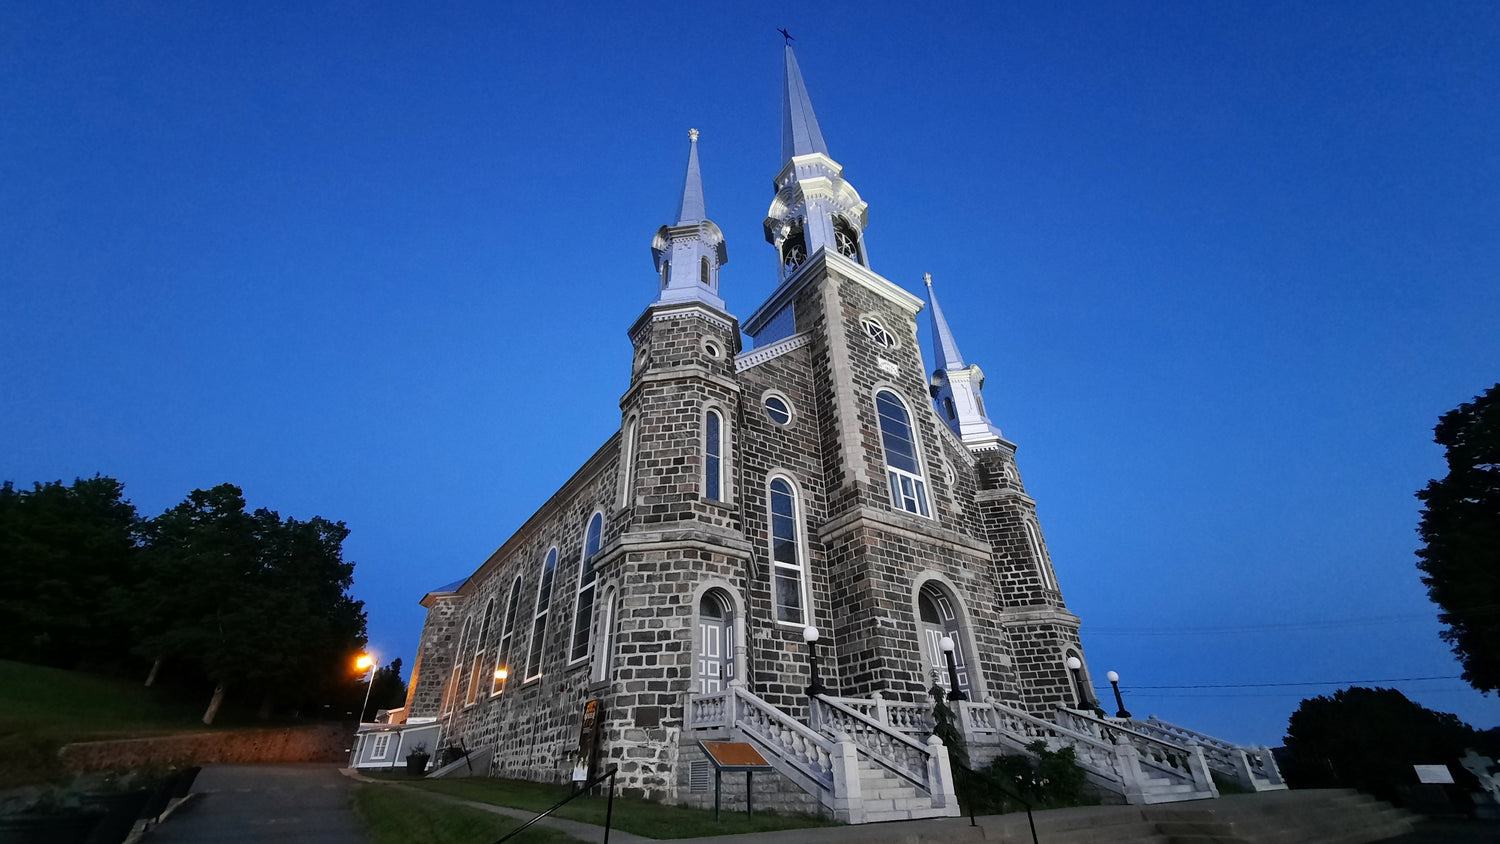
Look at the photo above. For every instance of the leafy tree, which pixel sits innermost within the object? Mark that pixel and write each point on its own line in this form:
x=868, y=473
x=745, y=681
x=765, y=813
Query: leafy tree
x=249, y=599
x=387, y=690
x=1369, y=739
x=1461, y=530
x=946, y=728
x=64, y=550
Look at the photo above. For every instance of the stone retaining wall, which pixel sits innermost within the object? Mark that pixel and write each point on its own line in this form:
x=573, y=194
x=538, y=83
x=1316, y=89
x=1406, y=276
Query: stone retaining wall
x=320, y=743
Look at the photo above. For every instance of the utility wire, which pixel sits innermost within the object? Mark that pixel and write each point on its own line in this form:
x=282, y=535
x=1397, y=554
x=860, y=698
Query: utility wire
x=1487, y=609
x=1286, y=685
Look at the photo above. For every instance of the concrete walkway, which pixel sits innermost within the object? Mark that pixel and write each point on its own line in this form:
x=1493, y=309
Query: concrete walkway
x=274, y=804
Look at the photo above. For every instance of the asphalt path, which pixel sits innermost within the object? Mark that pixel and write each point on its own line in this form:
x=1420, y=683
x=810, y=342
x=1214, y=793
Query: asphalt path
x=264, y=803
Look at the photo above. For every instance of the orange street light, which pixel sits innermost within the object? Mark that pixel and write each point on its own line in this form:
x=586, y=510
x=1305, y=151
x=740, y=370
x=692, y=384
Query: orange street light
x=363, y=662
x=366, y=663
x=501, y=673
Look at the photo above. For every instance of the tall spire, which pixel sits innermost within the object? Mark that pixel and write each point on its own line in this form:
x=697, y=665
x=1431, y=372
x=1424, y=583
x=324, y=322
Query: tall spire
x=948, y=356
x=956, y=386
x=689, y=252
x=691, y=210
x=800, y=134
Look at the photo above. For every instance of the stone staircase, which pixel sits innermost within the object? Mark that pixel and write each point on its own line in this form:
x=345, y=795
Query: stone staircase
x=887, y=797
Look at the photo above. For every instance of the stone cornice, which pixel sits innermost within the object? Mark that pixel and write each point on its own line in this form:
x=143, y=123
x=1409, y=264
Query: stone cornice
x=1040, y=615
x=914, y=527
x=658, y=311
x=755, y=357
x=831, y=261
x=667, y=540
x=690, y=372
x=1004, y=495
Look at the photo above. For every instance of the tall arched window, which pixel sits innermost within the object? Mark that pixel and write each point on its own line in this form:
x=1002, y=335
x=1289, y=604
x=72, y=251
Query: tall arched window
x=627, y=461
x=703, y=272
x=481, y=642
x=713, y=456
x=583, y=607
x=846, y=239
x=1043, y=567
x=787, y=559
x=604, y=653
x=903, y=468
x=539, y=622
x=507, y=639
x=460, y=651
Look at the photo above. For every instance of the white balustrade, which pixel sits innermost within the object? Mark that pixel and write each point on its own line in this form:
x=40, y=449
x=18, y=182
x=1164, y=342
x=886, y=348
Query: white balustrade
x=884, y=745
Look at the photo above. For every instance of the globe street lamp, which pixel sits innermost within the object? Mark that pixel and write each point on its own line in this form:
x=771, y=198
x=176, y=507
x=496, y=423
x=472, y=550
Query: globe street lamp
x=1085, y=700
x=954, y=692
x=1114, y=680
x=810, y=635
x=366, y=663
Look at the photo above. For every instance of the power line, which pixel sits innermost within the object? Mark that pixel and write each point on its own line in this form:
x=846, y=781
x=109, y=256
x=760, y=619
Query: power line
x=1286, y=685
x=1325, y=624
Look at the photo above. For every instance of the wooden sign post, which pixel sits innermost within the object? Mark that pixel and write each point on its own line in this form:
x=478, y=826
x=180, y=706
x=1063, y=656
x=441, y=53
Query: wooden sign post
x=734, y=756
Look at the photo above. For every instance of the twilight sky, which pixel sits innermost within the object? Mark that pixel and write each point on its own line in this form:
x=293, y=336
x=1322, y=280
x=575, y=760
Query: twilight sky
x=1224, y=265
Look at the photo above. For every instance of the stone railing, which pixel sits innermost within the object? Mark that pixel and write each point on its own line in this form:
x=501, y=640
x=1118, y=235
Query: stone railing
x=909, y=718
x=885, y=746
x=1253, y=767
x=1186, y=765
x=791, y=742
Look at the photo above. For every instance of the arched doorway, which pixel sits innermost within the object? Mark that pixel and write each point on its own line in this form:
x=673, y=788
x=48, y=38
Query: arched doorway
x=939, y=620
x=715, y=664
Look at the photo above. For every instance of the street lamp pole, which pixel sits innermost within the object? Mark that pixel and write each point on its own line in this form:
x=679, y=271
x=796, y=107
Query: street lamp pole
x=815, y=687
x=367, y=662
x=954, y=692
x=1114, y=681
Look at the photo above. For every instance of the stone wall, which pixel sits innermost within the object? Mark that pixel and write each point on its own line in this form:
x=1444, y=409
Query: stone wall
x=319, y=743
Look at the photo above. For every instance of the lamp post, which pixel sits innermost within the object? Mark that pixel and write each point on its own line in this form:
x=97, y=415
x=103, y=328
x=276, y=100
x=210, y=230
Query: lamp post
x=810, y=636
x=1114, y=681
x=1085, y=700
x=954, y=692
x=366, y=663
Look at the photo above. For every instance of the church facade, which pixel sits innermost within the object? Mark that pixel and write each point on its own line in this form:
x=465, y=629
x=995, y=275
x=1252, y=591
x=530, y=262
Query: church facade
x=821, y=488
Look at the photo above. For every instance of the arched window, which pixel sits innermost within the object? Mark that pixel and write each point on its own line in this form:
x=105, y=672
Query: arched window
x=507, y=639
x=627, y=462
x=935, y=611
x=1043, y=566
x=481, y=641
x=948, y=408
x=604, y=653
x=703, y=270
x=713, y=456
x=583, y=608
x=455, y=677
x=539, y=622
x=787, y=559
x=666, y=270
x=846, y=239
x=903, y=468
x=793, y=251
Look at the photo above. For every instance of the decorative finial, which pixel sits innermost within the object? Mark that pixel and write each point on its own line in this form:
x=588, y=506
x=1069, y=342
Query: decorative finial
x=927, y=277
x=693, y=135
x=789, y=38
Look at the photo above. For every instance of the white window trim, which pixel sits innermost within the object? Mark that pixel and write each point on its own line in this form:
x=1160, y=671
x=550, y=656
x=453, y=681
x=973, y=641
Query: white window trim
x=381, y=746
x=726, y=496
x=917, y=449
x=798, y=524
x=627, y=460
x=604, y=635
x=891, y=341
x=593, y=585
x=1038, y=552
x=507, y=638
x=473, y=696
x=538, y=636
x=791, y=409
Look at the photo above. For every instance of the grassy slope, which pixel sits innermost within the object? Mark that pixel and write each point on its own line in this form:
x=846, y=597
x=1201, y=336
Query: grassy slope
x=395, y=816
x=652, y=820
x=42, y=709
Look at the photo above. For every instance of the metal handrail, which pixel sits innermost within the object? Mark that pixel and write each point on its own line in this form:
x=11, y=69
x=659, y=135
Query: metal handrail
x=609, y=809
x=1003, y=790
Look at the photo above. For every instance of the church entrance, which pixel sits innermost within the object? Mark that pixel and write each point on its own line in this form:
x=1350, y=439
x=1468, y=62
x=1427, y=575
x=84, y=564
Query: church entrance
x=715, y=666
x=938, y=621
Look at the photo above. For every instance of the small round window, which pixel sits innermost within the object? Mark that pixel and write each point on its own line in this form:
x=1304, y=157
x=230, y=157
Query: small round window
x=778, y=409
x=878, y=332
x=711, y=349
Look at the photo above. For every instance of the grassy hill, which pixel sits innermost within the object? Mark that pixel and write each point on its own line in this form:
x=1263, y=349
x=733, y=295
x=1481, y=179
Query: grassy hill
x=42, y=709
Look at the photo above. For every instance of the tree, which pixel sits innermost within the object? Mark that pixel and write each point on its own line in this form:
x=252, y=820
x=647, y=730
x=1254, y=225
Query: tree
x=64, y=550
x=249, y=599
x=1461, y=530
x=387, y=690
x=1369, y=739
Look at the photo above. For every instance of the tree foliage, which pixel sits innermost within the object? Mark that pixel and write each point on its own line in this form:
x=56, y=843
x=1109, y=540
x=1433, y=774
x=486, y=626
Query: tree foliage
x=64, y=551
x=1461, y=531
x=1369, y=739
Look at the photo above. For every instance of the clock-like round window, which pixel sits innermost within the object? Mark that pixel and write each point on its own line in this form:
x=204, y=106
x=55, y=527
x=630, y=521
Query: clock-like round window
x=878, y=332
x=779, y=410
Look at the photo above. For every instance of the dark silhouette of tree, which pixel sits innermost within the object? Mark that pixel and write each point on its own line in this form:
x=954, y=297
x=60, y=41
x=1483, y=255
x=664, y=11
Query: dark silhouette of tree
x=64, y=550
x=1369, y=739
x=1461, y=531
x=387, y=691
x=247, y=598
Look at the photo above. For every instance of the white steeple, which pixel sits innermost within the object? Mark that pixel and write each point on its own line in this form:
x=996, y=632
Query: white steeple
x=956, y=387
x=689, y=253
x=814, y=207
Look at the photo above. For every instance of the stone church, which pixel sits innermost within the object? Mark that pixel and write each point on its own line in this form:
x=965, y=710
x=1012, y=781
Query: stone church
x=820, y=487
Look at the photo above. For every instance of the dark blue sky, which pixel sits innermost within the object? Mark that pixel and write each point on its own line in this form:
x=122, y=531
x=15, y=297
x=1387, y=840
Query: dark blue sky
x=1223, y=264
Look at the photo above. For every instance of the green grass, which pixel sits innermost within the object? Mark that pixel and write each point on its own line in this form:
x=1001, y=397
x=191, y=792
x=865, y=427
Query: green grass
x=652, y=820
x=42, y=709
x=396, y=816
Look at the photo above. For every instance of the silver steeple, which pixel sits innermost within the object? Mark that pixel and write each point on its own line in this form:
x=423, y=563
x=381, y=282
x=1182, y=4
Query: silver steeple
x=955, y=386
x=689, y=253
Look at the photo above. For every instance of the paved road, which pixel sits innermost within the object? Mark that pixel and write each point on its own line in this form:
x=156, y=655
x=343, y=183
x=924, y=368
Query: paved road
x=274, y=804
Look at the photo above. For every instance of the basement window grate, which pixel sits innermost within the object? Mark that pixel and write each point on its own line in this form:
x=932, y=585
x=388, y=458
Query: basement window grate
x=698, y=777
